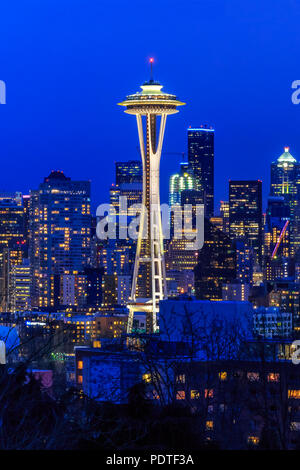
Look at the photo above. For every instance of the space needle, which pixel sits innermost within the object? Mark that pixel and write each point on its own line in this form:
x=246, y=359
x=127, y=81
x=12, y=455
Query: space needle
x=151, y=106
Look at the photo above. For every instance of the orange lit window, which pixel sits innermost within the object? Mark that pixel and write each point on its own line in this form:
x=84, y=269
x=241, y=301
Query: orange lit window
x=223, y=375
x=180, y=395
x=79, y=379
x=273, y=377
x=253, y=440
x=80, y=365
x=209, y=425
x=294, y=394
x=195, y=395
x=209, y=393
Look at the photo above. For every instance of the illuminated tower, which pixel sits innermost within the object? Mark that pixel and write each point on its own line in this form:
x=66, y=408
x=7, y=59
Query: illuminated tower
x=60, y=225
x=149, y=281
x=285, y=182
x=201, y=158
x=180, y=182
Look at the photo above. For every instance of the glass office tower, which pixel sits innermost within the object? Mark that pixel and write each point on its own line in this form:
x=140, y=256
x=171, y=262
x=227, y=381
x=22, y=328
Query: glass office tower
x=201, y=159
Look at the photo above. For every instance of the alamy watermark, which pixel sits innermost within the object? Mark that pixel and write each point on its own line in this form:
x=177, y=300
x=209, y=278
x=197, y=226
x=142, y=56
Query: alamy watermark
x=177, y=222
x=2, y=92
x=296, y=94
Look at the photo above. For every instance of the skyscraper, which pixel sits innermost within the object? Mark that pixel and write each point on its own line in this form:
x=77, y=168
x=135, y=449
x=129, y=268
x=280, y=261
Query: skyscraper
x=129, y=172
x=179, y=182
x=245, y=214
x=285, y=175
x=201, y=159
x=129, y=185
x=60, y=226
x=149, y=280
x=285, y=182
x=125, y=196
x=277, y=246
x=11, y=220
x=11, y=239
x=19, y=287
x=216, y=264
x=224, y=212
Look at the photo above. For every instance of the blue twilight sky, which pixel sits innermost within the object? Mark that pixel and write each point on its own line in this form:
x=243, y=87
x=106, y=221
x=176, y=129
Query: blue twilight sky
x=67, y=63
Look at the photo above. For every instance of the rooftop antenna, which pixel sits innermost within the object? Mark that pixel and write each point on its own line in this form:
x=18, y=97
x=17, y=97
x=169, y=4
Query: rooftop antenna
x=151, y=68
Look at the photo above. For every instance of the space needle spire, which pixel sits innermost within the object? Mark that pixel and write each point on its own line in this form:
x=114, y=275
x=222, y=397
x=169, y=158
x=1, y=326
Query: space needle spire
x=151, y=106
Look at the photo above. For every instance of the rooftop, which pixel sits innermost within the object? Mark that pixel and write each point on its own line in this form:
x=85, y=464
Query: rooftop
x=286, y=157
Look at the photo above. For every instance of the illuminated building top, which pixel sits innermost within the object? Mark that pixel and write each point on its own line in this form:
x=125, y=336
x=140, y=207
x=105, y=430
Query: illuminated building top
x=286, y=157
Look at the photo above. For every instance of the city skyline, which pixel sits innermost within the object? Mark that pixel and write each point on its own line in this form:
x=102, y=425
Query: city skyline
x=129, y=326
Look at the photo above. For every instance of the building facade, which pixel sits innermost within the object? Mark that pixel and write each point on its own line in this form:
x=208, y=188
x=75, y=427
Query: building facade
x=60, y=232
x=201, y=159
x=245, y=214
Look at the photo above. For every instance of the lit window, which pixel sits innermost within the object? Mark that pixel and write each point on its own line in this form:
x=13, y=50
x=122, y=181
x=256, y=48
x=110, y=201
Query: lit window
x=80, y=365
x=253, y=440
x=209, y=425
x=180, y=378
x=209, y=393
x=294, y=394
x=147, y=378
x=273, y=377
x=195, y=395
x=180, y=395
x=295, y=426
x=253, y=376
x=79, y=379
x=223, y=376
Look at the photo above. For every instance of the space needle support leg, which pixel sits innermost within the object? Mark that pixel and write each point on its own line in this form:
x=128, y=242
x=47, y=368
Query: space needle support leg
x=141, y=227
x=157, y=256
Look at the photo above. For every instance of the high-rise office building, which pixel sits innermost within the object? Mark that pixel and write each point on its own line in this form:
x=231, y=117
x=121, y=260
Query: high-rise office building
x=60, y=230
x=10, y=257
x=224, y=213
x=277, y=246
x=285, y=182
x=244, y=261
x=201, y=159
x=11, y=239
x=11, y=220
x=180, y=182
x=285, y=174
x=18, y=298
x=73, y=289
x=26, y=203
x=128, y=186
x=178, y=254
x=125, y=196
x=129, y=172
x=94, y=286
x=216, y=264
x=245, y=214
